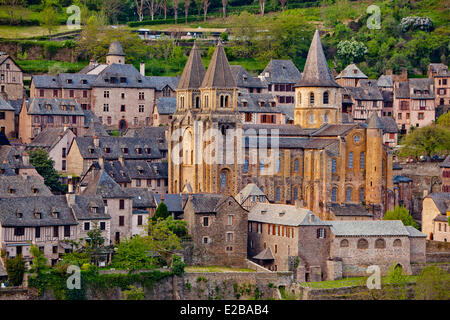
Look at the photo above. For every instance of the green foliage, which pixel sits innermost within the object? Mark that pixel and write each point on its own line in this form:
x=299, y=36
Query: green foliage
x=134, y=254
x=177, y=265
x=398, y=280
x=15, y=267
x=134, y=293
x=161, y=212
x=49, y=19
x=401, y=213
x=75, y=258
x=351, y=51
x=444, y=120
x=427, y=141
x=433, y=284
x=178, y=227
x=40, y=159
x=40, y=262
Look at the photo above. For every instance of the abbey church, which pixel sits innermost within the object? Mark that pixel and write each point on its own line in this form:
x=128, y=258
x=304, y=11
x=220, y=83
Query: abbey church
x=323, y=160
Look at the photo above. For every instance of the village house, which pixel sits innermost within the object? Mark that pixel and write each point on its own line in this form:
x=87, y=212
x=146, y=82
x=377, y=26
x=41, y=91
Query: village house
x=246, y=82
x=350, y=76
x=445, y=174
x=441, y=80
x=7, y=119
x=218, y=227
x=435, y=214
x=388, y=103
x=259, y=108
x=414, y=103
x=250, y=196
x=11, y=78
x=281, y=77
x=15, y=159
x=286, y=238
x=38, y=114
x=367, y=99
x=174, y=202
x=56, y=141
x=390, y=131
x=349, y=211
x=158, y=135
x=163, y=110
x=144, y=207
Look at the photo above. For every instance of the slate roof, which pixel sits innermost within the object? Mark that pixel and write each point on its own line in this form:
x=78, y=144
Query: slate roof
x=366, y=90
x=287, y=110
x=155, y=134
x=102, y=184
x=284, y=214
x=111, y=75
x=116, y=144
x=305, y=143
x=64, y=80
x=446, y=162
x=207, y=202
x=115, y=48
x=173, y=201
x=23, y=186
x=82, y=207
x=399, y=179
x=350, y=210
x=285, y=130
x=28, y=206
x=254, y=101
x=95, y=128
x=246, y=80
x=281, y=71
x=374, y=122
x=142, y=198
x=38, y=106
x=414, y=233
x=159, y=83
x=389, y=125
x=331, y=130
x=250, y=189
x=316, y=72
x=219, y=73
x=47, y=138
x=17, y=105
x=386, y=81
x=440, y=69
x=441, y=200
x=167, y=105
x=418, y=87
x=12, y=156
x=194, y=71
x=401, y=90
x=362, y=228
x=141, y=169
x=5, y=105
x=388, y=96
x=266, y=254
x=117, y=171
x=351, y=71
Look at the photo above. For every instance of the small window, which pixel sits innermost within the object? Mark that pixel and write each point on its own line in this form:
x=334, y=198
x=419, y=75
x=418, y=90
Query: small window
x=296, y=165
x=397, y=243
x=362, y=244
x=121, y=221
x=380, y=244
x=230, y=220
x=325, y=97
x=311, y=98
x=205, y=221
x=87, y=226
x=344, y=243
x=102, y=225
x=139, y=221
x=121, y=204
x=205, y=240
x=229, y=236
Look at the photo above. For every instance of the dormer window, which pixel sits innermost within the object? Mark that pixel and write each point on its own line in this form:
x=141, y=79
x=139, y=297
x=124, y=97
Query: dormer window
x=273, y=104
x=55, y=214
x=107, y=150
x=84, y=81
x=72, y=108
x=123, y=80
x=140, y=169
x=48, y=106
x=139, y=150
x=11, y=191
x=355, y=71
x=148, y=150
x=94, y=209
x=38, y=215
x=35, y=190
x=19, y=215
x=69, y=80
x=125, y=150
x=63, y=107
x=244, y=103
x=91, y=150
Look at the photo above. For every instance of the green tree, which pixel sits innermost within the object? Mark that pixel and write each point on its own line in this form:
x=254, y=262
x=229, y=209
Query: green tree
x=161, y=212
x=134, y=293
x=177, y=265
x=178, y=227
x=95, y=245
x=49, y=19
x=351, y=51
x=426, y=141
x=15, y=267
x=40, y=262
x=433, y=284
x=444, y=120
x=39, y=158
x=135, y=253
x=401, y=213
x=161, y=240
x=395, y=287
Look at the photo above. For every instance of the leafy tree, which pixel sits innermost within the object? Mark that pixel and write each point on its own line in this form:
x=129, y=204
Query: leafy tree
x=39, y=262
x=433, y=284
x=178, y=227
x=161, y=239
x=15, y=267
x=11, y=7
x=134, y=293
x=95, y=245
x=401, y=213
x=426, y=141
x=177, y=265
x=351, y=51
x=396, y=281
x=75, y=258
x=49, y=19
x=444, y=120
x=39, y=158
x=161, y=212
x=134, y=254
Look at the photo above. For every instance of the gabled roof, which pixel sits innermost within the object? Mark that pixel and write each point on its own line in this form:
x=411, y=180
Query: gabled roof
x=441, y=200
x=249, y=190
x=446, y=162
x=350, y=209
x=389, y=125
x=83, y=204
x=419, y=87
x=284, y=214
x=401, y=90
x=24, y=186
x=246, y=80
x=362, y=228
x=38, y=106
x=385, y=81
x=351, y=71
x=414, y=233
x=193, y=72
x=219, y=73
x=331, y=130
x=95, y=128
x=111, y=75
x=316, y=72
x=100, y=183
x=253, y=102
x=5, y=105
x=159, y=83
x=281, y=71
x=48, y=137
x=166, y=105
x=207, y=202
x=266, y=254
x=174, y=201
x=142, y=198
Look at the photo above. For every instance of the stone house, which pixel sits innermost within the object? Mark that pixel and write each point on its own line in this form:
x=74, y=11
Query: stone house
x=118, y=203
x=286, y=238
x=15, y=159
x=156, y=134
x=388, y=103
x=246, y=82
x=174, y=201
x=281, y=77
x=445, y=174
x=441, y=79
x=390, y=131
x=218, y=227
x=56, y=141
x=144, y=207
x=349, y=211
x=435, y=213
x=163, y=110
x=11, y=78
x=7, y=118
x=350, y=76
x=259, y=108
x=250, y=196
x=367, y=99
x=38, y=114
x=355, y=245
x=414, y=103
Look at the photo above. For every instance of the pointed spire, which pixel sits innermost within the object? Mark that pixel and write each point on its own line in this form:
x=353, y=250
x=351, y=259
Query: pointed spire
x=193, y=72
x=375, y=122
x=316, y=72
x=219, y=73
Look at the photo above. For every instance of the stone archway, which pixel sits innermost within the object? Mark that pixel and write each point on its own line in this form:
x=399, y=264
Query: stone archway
x=123, y=124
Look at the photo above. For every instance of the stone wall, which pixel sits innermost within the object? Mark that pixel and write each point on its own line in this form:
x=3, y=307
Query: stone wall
x=437, y=246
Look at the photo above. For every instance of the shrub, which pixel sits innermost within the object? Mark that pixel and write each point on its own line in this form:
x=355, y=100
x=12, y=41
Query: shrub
x=15, y=267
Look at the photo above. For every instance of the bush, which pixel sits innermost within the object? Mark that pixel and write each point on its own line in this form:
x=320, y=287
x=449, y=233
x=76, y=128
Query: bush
x=177, y=265
x=15, y=267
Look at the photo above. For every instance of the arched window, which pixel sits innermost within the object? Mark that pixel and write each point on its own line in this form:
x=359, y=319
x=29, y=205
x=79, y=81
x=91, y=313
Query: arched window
x=325, y=97
x=261, y=166
x=221, y=101
x=333, y=165
x=380, y=244
x=311, y=98
x=362, y=244
x=311, y=118
x=295, y=194
x=226, y=102
x=223, y=179
x=296, y=165
x=397, y=243
x=362, y=160
x=361, y=194
x=344, y=243
x=334, y=194
x=197, y=102
x=348, y=196
x=278, y=194
x=350, y=160
x=278, y=168
x=325, y=118
x=245, y=169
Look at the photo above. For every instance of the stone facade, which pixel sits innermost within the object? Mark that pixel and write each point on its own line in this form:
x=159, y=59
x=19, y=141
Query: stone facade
x=11, y=78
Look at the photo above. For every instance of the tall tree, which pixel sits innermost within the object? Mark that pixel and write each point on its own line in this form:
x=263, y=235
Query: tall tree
x=139, y=9
x=11, y=7
x=262, y=4
x=15, y=267
x=224, y=8
x=39, y=262
x=206, y=4
x=161, y=212
x=45, y=167
x=49, y=19
x=283, y=4
x=186, y=10
x=401, y=213
x=153, y=6
x=175, y=9
x=426, y=141
x=164, y=6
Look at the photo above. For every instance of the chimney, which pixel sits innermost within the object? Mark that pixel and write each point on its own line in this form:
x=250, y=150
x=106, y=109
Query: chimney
x=101, y=162
x=69, y=184
x=142, y=68
x=121, y=160
x=25, y=159
x=96, y=141
x=404, y=75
